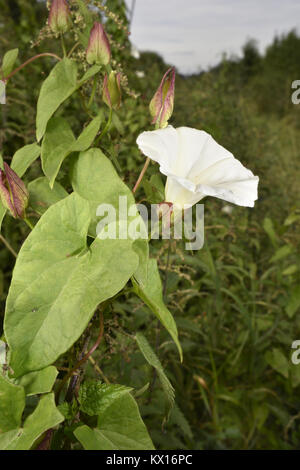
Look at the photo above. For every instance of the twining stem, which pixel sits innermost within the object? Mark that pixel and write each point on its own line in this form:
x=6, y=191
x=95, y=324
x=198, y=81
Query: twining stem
x=73, y=48
x=84, y=359
x=97, y=368
x=44, y=54
x=106, y=128
x=93, y=92
x=63, y=45
x=141, y=175
x=8, y=246
x=28, y=223
x=144, y=168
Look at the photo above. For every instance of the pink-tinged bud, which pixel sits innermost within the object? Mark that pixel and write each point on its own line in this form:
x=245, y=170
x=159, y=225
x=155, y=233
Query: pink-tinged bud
x=112, y=94
x=59, y=16
x=98, y=51
x=13, y=193
x=162, y=103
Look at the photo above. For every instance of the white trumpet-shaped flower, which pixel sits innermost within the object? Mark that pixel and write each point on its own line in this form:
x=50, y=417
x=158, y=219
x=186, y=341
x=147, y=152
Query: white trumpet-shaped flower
x=197, y=166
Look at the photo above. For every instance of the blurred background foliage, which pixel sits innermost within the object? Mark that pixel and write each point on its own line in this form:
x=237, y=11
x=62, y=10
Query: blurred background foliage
x=236, y=302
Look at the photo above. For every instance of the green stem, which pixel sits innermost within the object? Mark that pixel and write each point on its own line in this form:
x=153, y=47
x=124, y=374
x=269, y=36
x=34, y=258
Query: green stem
x=44, y=54
x=106, y=128
x=63, y=45
x=73, y=48
x=8, y=246
x=28, y=223
x=93, y=92
x=141, y=175
x=83, y=359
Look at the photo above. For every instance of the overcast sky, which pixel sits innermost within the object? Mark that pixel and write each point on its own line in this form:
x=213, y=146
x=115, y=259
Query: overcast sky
x=193, y=34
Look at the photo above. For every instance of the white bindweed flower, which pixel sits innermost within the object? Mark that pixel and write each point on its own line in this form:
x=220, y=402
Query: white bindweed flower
x=197, y=166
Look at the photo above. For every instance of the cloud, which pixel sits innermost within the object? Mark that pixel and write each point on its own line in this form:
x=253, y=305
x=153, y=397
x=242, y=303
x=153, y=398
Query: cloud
x=193, y=34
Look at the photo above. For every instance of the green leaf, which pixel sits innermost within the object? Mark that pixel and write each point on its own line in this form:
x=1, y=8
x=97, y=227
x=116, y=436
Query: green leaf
x=282, y=253
x=142, y=249
x=38, y=382
x=269, y=229
x=294, y=302
x=120, y=427
x=178, y=418
x=94, y=397
x=92, y=168
x=85, y=181
x=7, y=438
x=277, y=360
x=56, y=143
x=8, y=62
x=153, y=360
x=58, y=86
x=152, y=295
x=59, y=142
x=12, y=403
x=41, y=196
x=24, y=157
x=58, y=283
x=90, y=73
x=44, y=417
x=154, y=189
x=290, y=270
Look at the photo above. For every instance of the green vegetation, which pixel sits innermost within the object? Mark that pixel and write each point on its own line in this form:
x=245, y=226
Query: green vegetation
x=236, y=302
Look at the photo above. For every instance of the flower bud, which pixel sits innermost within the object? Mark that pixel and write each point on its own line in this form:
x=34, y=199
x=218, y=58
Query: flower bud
x=98, y=51
x=59, y=16
x=162, y=103
x=13, y=193
x=112, y=90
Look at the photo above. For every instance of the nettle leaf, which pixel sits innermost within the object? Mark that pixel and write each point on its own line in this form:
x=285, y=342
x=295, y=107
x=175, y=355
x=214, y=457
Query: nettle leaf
x=58, y=86
x=12, y=403
x=120, y=427
x=8, y=62
x=41, y=196
x=94, y=397
x=59, y=142
x=58, y=283
x=153, y=360
x=44, y=417
x=38, y=382
x=24, y=157
x=152, y=295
